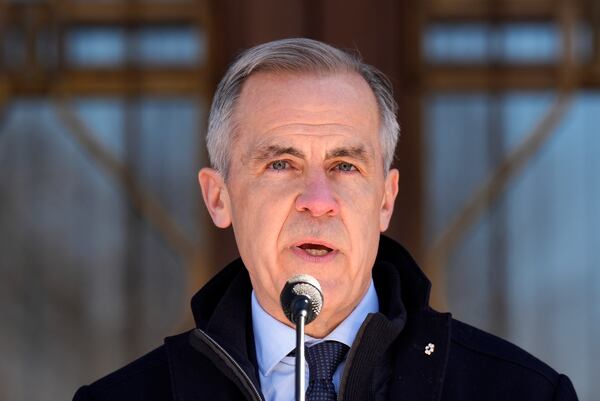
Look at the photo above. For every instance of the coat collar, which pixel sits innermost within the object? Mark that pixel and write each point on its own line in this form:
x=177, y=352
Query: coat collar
x=224, y=292
x=222, y=309
x=414, y=285
x=417, y=374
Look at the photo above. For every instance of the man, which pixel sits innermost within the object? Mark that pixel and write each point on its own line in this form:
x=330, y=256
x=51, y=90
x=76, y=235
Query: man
x=301, y=139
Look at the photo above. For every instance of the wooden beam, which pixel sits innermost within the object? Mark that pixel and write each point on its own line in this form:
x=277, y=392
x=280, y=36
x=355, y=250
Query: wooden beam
x=123, y=12
x=31, y=13
x=119, y=82
x=107, y=12
x=488, y=10
x=594, y=20
x=478, y=78
x=409, y=220
x=4, y=89
x=156, y=81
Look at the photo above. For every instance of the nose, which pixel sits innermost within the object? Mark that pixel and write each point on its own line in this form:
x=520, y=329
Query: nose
x=317, y=197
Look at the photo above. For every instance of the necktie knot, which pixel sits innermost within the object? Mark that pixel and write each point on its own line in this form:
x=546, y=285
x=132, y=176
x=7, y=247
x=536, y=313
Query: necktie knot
x=323, y=359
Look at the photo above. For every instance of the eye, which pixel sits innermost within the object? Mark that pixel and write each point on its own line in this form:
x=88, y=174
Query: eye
x=278, y=165
x=346, y=167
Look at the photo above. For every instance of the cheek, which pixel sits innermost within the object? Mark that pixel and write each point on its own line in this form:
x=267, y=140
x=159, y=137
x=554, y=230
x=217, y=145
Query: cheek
x=259, y=211
x=362, y=202
x=361, y=215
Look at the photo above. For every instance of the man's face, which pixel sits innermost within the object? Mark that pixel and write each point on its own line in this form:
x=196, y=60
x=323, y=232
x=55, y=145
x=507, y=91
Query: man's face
x=306, y=190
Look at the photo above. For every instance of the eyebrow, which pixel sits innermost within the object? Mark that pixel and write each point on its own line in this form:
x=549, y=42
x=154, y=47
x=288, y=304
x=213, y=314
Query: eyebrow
x=354, y=152
x=274, y=151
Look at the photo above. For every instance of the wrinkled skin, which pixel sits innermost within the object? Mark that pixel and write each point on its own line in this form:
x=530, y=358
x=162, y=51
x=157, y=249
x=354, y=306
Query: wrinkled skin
x=306, y=190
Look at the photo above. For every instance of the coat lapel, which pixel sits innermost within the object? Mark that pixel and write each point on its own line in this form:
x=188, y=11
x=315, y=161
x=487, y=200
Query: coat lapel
x=195, y=368
x=421, y=357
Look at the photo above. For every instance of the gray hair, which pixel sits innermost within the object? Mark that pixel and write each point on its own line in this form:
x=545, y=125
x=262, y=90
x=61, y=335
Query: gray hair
x=294, y=55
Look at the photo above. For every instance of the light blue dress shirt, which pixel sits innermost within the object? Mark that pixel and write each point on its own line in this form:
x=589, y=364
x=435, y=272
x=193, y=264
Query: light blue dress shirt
x=274, y=341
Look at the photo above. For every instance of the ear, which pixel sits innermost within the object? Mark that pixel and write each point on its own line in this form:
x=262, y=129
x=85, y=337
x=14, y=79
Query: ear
x=216, y=197
x=389, y=197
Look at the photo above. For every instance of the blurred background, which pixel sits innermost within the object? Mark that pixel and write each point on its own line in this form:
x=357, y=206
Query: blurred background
x=103, y=105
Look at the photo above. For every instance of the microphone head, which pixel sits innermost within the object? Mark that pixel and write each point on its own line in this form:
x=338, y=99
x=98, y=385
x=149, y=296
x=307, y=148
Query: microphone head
x=302, y=285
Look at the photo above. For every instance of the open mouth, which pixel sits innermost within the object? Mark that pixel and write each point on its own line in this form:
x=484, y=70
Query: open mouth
x=315, y=249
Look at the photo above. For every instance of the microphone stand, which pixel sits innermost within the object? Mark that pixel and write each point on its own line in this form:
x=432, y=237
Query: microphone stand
x=300, y=368
x=300, y=311
x=301, y=300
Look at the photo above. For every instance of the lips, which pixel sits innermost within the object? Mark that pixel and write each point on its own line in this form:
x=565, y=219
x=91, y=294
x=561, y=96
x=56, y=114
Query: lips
x=315, y=249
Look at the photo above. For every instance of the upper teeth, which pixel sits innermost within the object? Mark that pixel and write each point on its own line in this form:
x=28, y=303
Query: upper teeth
x=316, y=252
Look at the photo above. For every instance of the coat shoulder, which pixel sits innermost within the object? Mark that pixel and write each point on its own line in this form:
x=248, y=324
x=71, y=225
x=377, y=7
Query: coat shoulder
x=146, y=378
x=490, y=347
x=487, y=362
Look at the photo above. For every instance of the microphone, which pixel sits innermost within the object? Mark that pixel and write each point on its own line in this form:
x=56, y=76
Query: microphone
x=301, y=300
x=301, y=294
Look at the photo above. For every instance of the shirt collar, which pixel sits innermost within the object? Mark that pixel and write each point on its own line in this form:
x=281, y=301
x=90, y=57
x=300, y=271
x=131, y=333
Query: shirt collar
x=274, y=340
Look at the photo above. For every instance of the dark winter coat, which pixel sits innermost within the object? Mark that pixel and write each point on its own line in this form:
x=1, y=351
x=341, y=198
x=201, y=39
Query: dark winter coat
x=387, y=361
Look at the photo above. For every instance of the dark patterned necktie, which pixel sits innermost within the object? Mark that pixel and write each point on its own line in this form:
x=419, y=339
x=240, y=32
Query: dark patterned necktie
x=323, y=359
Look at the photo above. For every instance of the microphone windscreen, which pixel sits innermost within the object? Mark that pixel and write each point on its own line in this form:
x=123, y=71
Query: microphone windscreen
x=306, y=286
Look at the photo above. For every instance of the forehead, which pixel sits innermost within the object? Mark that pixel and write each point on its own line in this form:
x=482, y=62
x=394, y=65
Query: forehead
x=330, y=106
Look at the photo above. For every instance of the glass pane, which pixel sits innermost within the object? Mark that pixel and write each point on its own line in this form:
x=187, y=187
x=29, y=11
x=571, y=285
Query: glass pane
x=171, y=46
x=116, y=46
x=169, y=155
x=528, y=269
x=529, y=43
x=98, y=47
x=80, y=269
x=454, y=124
x=464, y=43
x=106, y=119
x=520, y=43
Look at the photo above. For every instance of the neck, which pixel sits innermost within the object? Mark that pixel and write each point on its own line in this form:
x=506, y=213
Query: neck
x=321, y=328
